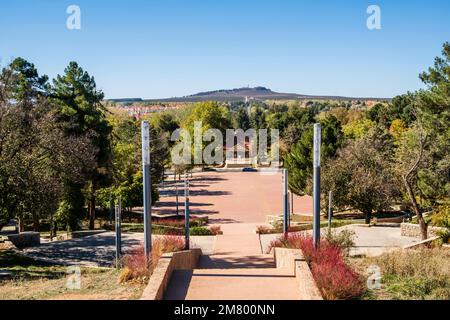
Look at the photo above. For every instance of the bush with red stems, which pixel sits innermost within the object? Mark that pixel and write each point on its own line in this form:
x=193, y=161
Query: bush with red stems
x=335, y=279
x=137, y=267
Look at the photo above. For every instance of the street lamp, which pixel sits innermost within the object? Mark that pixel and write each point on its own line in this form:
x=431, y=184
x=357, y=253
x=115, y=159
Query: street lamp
x=145, y=126
x=316, y=184
x=285, y=203
x=186, y=213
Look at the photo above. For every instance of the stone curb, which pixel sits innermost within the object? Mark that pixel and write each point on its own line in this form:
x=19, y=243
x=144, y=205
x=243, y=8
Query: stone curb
x=169, y=262
x=293, y=258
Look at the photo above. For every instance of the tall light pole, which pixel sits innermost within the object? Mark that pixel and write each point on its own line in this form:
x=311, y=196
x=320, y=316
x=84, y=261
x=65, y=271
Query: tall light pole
x=118, y=228
x=316, y=184
x=330, y=209
x=111, y=209
x=147, y=183
x=186, y=213
x=285, y=203
x=176, y=195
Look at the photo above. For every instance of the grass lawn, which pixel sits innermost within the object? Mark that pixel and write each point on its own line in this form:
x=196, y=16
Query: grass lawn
x=34, y=280
x=422, y=274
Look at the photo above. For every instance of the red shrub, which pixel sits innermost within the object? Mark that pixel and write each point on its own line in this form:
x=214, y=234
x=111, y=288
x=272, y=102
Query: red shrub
x=215, y=230
x=335, y=279
x=136, y=266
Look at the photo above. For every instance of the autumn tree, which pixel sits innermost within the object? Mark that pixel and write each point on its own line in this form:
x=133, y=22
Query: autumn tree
x=361, y=176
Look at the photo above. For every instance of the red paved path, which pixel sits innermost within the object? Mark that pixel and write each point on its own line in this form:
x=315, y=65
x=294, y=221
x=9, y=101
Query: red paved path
x=237, y=270
x=235, y=197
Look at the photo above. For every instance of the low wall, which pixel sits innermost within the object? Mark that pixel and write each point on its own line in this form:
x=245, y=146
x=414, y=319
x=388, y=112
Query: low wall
x=25, y=239
x=425, y=243
x=160, y=278
x=293, y=258
x=398, y=219
x=77, y=234
x=413, y=230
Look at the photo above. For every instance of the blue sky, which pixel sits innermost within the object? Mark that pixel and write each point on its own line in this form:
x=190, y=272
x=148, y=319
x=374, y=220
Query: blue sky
x=155, y=49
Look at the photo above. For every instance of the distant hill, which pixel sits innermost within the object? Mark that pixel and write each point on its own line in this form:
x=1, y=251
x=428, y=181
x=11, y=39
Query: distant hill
x=240, y=94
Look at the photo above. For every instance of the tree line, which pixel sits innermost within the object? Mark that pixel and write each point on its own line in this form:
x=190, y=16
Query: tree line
x=61, y=150
x=64, y=155
x=374, y=158
x=392, y=153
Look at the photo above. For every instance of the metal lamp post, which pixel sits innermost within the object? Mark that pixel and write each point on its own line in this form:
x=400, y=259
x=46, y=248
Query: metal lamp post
x=118, y=227
x=316, y=184
x=285, y=203
x=330, y=209
x=176, y=194
x=145, y=126
x=186, y=213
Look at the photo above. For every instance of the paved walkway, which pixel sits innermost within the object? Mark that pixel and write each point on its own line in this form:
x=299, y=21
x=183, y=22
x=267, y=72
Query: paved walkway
x=98, y=250
x=236, y=271
x=231, y=197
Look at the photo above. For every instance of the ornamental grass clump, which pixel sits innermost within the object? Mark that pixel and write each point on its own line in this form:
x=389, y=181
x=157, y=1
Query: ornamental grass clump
x=136, y=267
x=335, y=279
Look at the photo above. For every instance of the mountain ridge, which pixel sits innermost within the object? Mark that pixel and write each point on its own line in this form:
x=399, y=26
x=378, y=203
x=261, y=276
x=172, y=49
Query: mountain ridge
x=241, y=94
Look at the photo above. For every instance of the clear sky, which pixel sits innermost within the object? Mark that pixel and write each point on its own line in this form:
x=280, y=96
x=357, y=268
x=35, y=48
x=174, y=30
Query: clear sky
x=166, y=48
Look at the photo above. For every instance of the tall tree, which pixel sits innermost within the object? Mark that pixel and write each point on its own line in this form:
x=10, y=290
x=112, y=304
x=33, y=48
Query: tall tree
x=240, y=119
x=80, y=111
x=424, y=152
x=28, y=83
x=299, y=161
x=361, y=176
x=33, y=150
x=258, y=118
x=212, y=116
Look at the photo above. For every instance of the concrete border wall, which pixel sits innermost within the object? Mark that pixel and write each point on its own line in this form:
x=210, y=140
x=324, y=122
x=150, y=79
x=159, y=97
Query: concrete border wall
x=424, y=243
x=293, y=258
x=77, y=234
x=160, y=278
x=25, y=239
x=413, y=230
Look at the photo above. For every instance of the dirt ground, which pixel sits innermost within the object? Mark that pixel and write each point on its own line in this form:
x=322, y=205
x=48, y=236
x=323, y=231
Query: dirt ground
x=36, y=280
x=95, y=285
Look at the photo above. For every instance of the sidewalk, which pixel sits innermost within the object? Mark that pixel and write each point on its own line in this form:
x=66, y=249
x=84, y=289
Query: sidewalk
x=236, y=271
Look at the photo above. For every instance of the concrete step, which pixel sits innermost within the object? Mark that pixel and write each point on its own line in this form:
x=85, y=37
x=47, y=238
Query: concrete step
x=233, y=284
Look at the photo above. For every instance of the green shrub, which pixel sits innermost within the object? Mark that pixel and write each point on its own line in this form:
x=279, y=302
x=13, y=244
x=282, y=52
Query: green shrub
x=441, y=216
x=444, y=236
x=200, y=231
x=342, y=239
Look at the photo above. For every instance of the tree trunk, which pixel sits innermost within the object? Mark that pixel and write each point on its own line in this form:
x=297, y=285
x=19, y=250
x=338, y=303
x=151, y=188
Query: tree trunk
x=52, y=228
x=21, y=224
x=412, y=197
x=36, y=224
x=368, y=216
x=91, y=208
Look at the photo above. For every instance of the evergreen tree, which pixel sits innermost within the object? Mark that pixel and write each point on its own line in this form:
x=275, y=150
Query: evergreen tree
x=80, y=112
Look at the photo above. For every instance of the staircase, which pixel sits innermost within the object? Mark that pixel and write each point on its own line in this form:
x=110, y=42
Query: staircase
x=237, y=270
